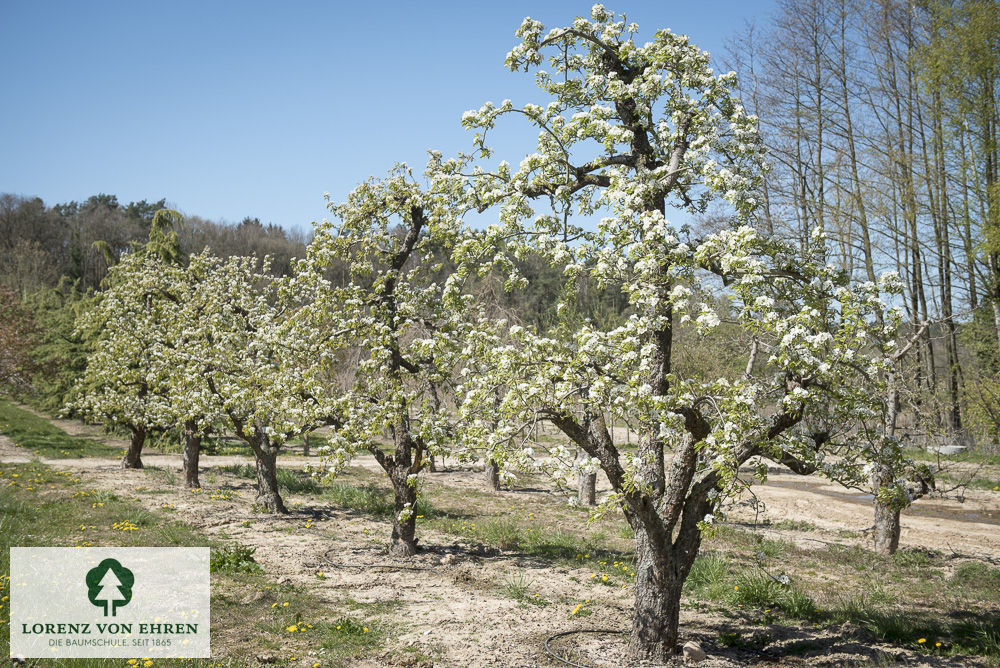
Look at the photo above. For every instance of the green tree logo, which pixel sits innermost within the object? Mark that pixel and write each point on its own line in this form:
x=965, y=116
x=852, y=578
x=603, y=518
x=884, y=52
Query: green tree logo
x=109, y=585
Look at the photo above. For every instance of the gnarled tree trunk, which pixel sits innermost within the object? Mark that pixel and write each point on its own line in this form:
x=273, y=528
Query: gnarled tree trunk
x=662, y=567
x=657, y=602
x=404, y=520
x=133, y=456
x=887, y=529
x=267, y=473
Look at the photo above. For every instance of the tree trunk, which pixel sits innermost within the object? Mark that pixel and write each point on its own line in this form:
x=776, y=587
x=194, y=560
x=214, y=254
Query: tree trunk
x=586, y=494
x=886, y=516
x=132, y=458
x=492, y=476
x=305, y=444
x=886, y=529
x=404, y=542
x=192, y=452
x=587, y=491
x=657, y=603
x=267, y=475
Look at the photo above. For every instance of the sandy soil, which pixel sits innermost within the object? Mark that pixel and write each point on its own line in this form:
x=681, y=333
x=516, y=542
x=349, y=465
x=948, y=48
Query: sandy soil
x=448, y=601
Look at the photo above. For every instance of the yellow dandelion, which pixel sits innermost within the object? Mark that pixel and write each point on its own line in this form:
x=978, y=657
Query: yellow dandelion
x=921, y=641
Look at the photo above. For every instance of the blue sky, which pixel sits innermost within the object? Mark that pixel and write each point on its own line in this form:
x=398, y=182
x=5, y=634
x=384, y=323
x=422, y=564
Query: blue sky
x=233, y=109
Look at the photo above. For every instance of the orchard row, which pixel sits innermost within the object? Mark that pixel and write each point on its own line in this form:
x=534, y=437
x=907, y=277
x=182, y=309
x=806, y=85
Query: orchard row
x=384, y=330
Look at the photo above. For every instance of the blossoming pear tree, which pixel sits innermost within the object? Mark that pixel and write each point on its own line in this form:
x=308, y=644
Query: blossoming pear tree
x=387, y=323
x=191, y=407
x=631, y=128
x=234, y=357
x=122, y=383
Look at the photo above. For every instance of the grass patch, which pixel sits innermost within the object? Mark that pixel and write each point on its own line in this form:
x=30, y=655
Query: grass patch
x=47, y=508
x=851, y=556
x=977, y=637
x=538, y=540
x=167, y=475
x=975, y=579
x=793, y=525
x=915, y=558
x=739, y=579
x=974, y=456
x=751, y=641
x=885, y=623
x=43, y=507
x=709, y=577
x=349, y=638
x=367, y=498
x=736, y=537
x=715, y=577
x=46, y=440
x=234, y=559
x=295, y=482
x=518, y=587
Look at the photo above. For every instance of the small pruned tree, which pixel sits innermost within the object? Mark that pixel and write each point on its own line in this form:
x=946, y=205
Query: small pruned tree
x=628, y=129
x=387, y=326
x=896, y=480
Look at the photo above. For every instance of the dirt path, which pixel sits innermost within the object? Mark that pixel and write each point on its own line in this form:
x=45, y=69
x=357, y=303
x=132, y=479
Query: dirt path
x=971, y=527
